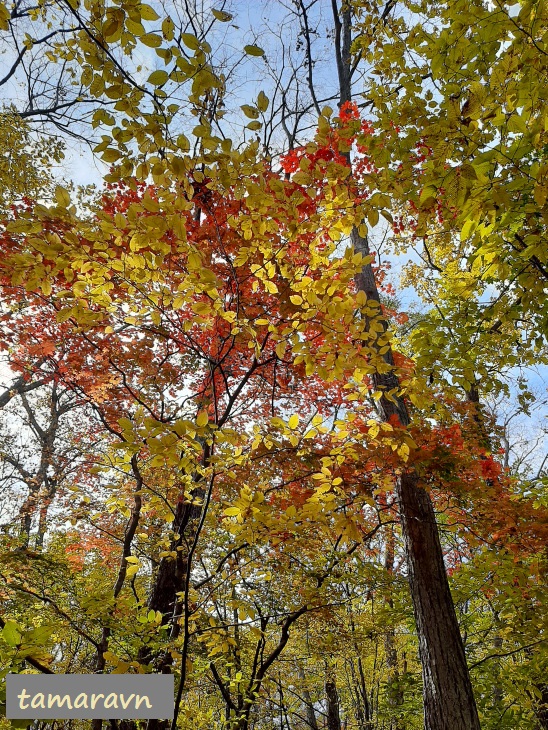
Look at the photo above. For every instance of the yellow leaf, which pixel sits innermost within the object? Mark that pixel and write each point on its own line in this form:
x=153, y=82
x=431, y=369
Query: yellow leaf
x=19, y=226
x=253, y=51
x=250, y=111
x=222, y=16
x=62, y=196
x=5, y=16
x=168, y=29
x=373, y=217
x=158, y=78
x=147, y=13
x=403, y=451
x=113, y=26
x=293, y=422
x=262, y=101
x=134, y=27
x=110, y=155
x=46, y=287
x=190, y=41
x=151, y=40
x=202, y=419
x=182, y=143
x=540, y=193
x=201, y=308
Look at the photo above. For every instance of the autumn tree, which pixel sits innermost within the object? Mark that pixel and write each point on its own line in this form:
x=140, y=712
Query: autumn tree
x=207, y=312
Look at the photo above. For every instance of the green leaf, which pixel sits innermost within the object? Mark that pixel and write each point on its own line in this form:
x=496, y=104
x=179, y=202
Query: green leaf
x=262, y=101
x=190, y=41
x=222, y=16
x=11, y=634
x=253, y=51
x=158, y=78
x=147, y=13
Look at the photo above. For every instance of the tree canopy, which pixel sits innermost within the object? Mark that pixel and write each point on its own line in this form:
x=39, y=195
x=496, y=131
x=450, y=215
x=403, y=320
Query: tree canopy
x=228, y=451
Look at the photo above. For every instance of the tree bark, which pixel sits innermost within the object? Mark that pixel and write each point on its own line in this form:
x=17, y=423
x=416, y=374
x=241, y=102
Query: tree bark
x=310, y=713
x=333, y=716
x=395, y=694
x=448, y=697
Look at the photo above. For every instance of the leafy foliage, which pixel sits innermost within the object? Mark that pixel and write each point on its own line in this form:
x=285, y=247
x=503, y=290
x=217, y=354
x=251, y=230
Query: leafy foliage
x=209, y=475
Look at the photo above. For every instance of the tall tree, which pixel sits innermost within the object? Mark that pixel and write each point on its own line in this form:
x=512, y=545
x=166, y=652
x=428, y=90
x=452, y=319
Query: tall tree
x=448, y=694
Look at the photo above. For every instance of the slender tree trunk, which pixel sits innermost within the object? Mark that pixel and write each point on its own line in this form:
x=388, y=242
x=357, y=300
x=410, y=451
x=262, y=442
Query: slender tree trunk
x=26, y=514
x=395, y=694
x=43, y=521
x=171, y=580
x=498, y=694
x=364, y=714
x=310, y=714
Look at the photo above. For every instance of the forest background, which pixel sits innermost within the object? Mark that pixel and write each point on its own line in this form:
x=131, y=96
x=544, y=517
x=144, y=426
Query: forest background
x=226, y=450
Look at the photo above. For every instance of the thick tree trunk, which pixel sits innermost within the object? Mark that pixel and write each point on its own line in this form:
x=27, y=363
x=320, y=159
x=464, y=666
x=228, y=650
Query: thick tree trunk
x=448, y=698
x=26, y=514
x=333, y=716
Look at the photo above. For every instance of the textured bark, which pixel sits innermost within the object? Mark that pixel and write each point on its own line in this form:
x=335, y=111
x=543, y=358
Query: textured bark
x=395, y=694
x=310, y=714
x=170, y=580
x=333, y=716
x=448, y=698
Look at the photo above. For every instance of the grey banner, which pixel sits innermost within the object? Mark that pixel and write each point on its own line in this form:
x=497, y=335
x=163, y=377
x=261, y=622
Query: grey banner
x=89, y=696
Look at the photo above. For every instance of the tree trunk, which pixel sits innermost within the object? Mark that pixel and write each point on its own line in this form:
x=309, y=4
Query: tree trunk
x=498, y=694
x=333, y=716
x=310, y=714
x=447, y=690
x=448, y=697
x=395, y=694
